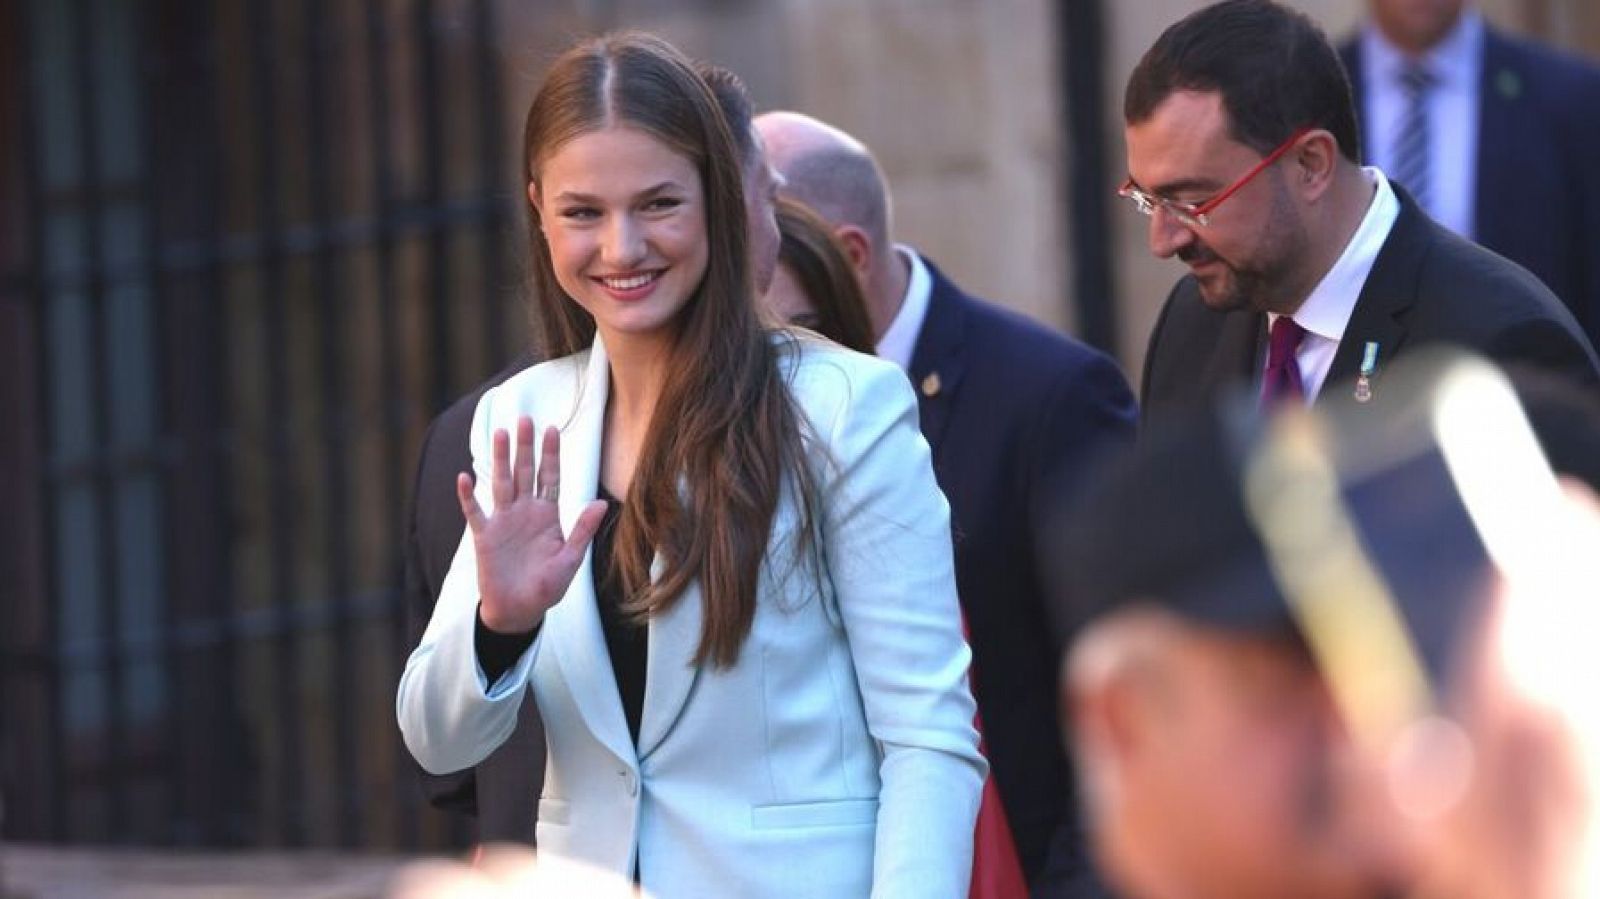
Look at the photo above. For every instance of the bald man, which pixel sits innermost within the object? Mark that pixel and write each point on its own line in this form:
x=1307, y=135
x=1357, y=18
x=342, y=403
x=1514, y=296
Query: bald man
x=1013, y=412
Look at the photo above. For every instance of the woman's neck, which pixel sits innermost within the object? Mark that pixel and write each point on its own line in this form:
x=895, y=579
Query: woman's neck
x=638, y=371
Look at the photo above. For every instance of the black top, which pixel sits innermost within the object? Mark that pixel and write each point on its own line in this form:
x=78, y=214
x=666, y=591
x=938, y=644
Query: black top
x=627, y=640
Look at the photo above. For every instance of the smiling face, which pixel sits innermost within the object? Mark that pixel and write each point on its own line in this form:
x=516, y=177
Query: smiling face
x=625, y=220
x=1245, y=257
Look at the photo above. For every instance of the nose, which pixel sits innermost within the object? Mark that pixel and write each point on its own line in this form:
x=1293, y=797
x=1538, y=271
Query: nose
x=624, y=245
x=1167, y=235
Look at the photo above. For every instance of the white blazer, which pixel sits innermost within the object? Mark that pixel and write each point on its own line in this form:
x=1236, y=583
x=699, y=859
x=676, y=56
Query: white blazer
x=836, y=758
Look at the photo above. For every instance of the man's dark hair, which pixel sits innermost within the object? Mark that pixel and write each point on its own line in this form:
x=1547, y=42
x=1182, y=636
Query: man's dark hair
x=1272, y=65
x=733, y=98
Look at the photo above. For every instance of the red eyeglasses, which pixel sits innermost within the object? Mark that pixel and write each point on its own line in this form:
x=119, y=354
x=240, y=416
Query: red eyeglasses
x=1198, y=215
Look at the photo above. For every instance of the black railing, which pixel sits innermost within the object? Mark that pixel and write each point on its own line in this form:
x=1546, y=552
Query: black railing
x=257, y=252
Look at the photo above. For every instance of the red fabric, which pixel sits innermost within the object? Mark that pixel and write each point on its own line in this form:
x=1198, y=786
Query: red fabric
x=996, y=869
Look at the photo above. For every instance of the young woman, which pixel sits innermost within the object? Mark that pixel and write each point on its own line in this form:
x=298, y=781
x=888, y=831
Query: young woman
x=814, y=286
x=754, y=682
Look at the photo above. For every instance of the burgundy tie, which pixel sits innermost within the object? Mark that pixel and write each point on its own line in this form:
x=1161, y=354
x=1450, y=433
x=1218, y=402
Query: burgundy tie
x=1282, y=379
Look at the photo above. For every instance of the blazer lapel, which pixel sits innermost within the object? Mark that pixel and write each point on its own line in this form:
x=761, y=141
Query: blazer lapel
x=573, y=626
x=939, y=360
x=670, y=669
x=1389, y=291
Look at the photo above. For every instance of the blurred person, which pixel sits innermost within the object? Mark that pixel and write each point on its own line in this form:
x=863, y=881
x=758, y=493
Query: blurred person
x=1274, y=620
x=502, y=792
x=1015, y=413
x=1493, y=136
x=1306, y=269
x=736, y=698
x=508, y=871
x=1211, y=755
x=1526, y=824
x=814, y=286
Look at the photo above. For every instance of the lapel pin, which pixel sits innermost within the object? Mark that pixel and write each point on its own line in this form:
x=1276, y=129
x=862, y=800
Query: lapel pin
x=1509, y=83
x=1369, y=365
x=931, y=385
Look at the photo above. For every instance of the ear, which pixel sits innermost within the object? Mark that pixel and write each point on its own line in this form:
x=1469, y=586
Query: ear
x=533, y=198
x=1111, y=718
x=858, y=247
x=1315, y=163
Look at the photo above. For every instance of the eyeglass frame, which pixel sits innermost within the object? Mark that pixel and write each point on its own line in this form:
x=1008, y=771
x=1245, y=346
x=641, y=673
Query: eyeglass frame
x=1199, y=214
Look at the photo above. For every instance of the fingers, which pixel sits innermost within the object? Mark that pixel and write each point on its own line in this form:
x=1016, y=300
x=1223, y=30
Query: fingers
x=550, y=466
x=500, y=485
x=469, y=503
x=583, y=530
x=522, y=482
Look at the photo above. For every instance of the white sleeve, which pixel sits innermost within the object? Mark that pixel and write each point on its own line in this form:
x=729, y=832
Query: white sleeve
x=886, y=542
x=450, y=716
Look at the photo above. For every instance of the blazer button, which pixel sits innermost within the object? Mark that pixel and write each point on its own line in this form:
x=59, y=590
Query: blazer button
x=630, y=782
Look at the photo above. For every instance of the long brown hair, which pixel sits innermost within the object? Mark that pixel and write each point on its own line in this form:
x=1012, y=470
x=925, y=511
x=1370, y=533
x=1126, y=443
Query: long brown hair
x=822, y=269
x=725, y=432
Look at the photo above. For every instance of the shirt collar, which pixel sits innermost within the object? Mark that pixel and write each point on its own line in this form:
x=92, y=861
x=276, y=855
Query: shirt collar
x=1326, y=311
x=1453, y=61
x=899, y=341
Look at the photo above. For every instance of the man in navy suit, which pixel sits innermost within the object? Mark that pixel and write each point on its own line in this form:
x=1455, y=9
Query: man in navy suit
x=1013, y=413
x=1307, y=272
x=502, y=792
x=1508, y=137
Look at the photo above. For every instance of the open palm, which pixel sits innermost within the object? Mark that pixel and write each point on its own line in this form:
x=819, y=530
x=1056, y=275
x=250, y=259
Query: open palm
x=525, y=564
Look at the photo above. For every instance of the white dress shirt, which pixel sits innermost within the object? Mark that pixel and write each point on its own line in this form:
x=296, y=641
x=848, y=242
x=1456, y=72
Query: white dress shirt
x=899, y=341
x=1327, y=309
x=1456, y=64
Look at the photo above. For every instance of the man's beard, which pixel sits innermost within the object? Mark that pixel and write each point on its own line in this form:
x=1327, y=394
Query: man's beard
x=1262, y=284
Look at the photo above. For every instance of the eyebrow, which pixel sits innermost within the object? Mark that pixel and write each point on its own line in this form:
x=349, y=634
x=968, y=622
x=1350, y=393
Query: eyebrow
x=572, y=196
x=1172, y=187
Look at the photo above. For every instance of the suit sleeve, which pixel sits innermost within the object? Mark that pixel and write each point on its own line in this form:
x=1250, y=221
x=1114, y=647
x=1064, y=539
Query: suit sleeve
x=450, y=715
x=456, y=791
x=886, y=541
x=1091, y=414
x=1152, y=350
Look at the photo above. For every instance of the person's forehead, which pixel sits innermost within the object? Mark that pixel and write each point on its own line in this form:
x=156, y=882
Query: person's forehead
x=1185, y=137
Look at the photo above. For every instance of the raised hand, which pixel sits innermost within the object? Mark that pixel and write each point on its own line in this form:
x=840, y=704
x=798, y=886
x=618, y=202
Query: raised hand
x=524, y=562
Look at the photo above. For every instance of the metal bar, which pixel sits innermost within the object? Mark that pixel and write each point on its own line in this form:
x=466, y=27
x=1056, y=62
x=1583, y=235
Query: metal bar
x=209, y=634
x=200, y=495
x=432, y=130
x=281, y=512
x=180, y=256
x=493, y=173
x=335, y=486
x=100, y=431
x=1081, y=43
x=53, y=809
x=151, y=72
x=395, y=416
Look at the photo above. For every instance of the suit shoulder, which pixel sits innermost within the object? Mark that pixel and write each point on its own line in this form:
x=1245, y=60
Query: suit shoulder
x=450, y=427
x=1022, y=344
x=529, y=392
x=827, y=380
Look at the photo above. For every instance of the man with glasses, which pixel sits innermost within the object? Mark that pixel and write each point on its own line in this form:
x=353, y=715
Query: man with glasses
x=1307, y=271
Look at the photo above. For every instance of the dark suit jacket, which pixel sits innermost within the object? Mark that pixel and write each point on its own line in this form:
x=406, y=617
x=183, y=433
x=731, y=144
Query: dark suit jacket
x=1428, y=285
x=1014, y=412
x=502, y=792
x=1538, y=184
